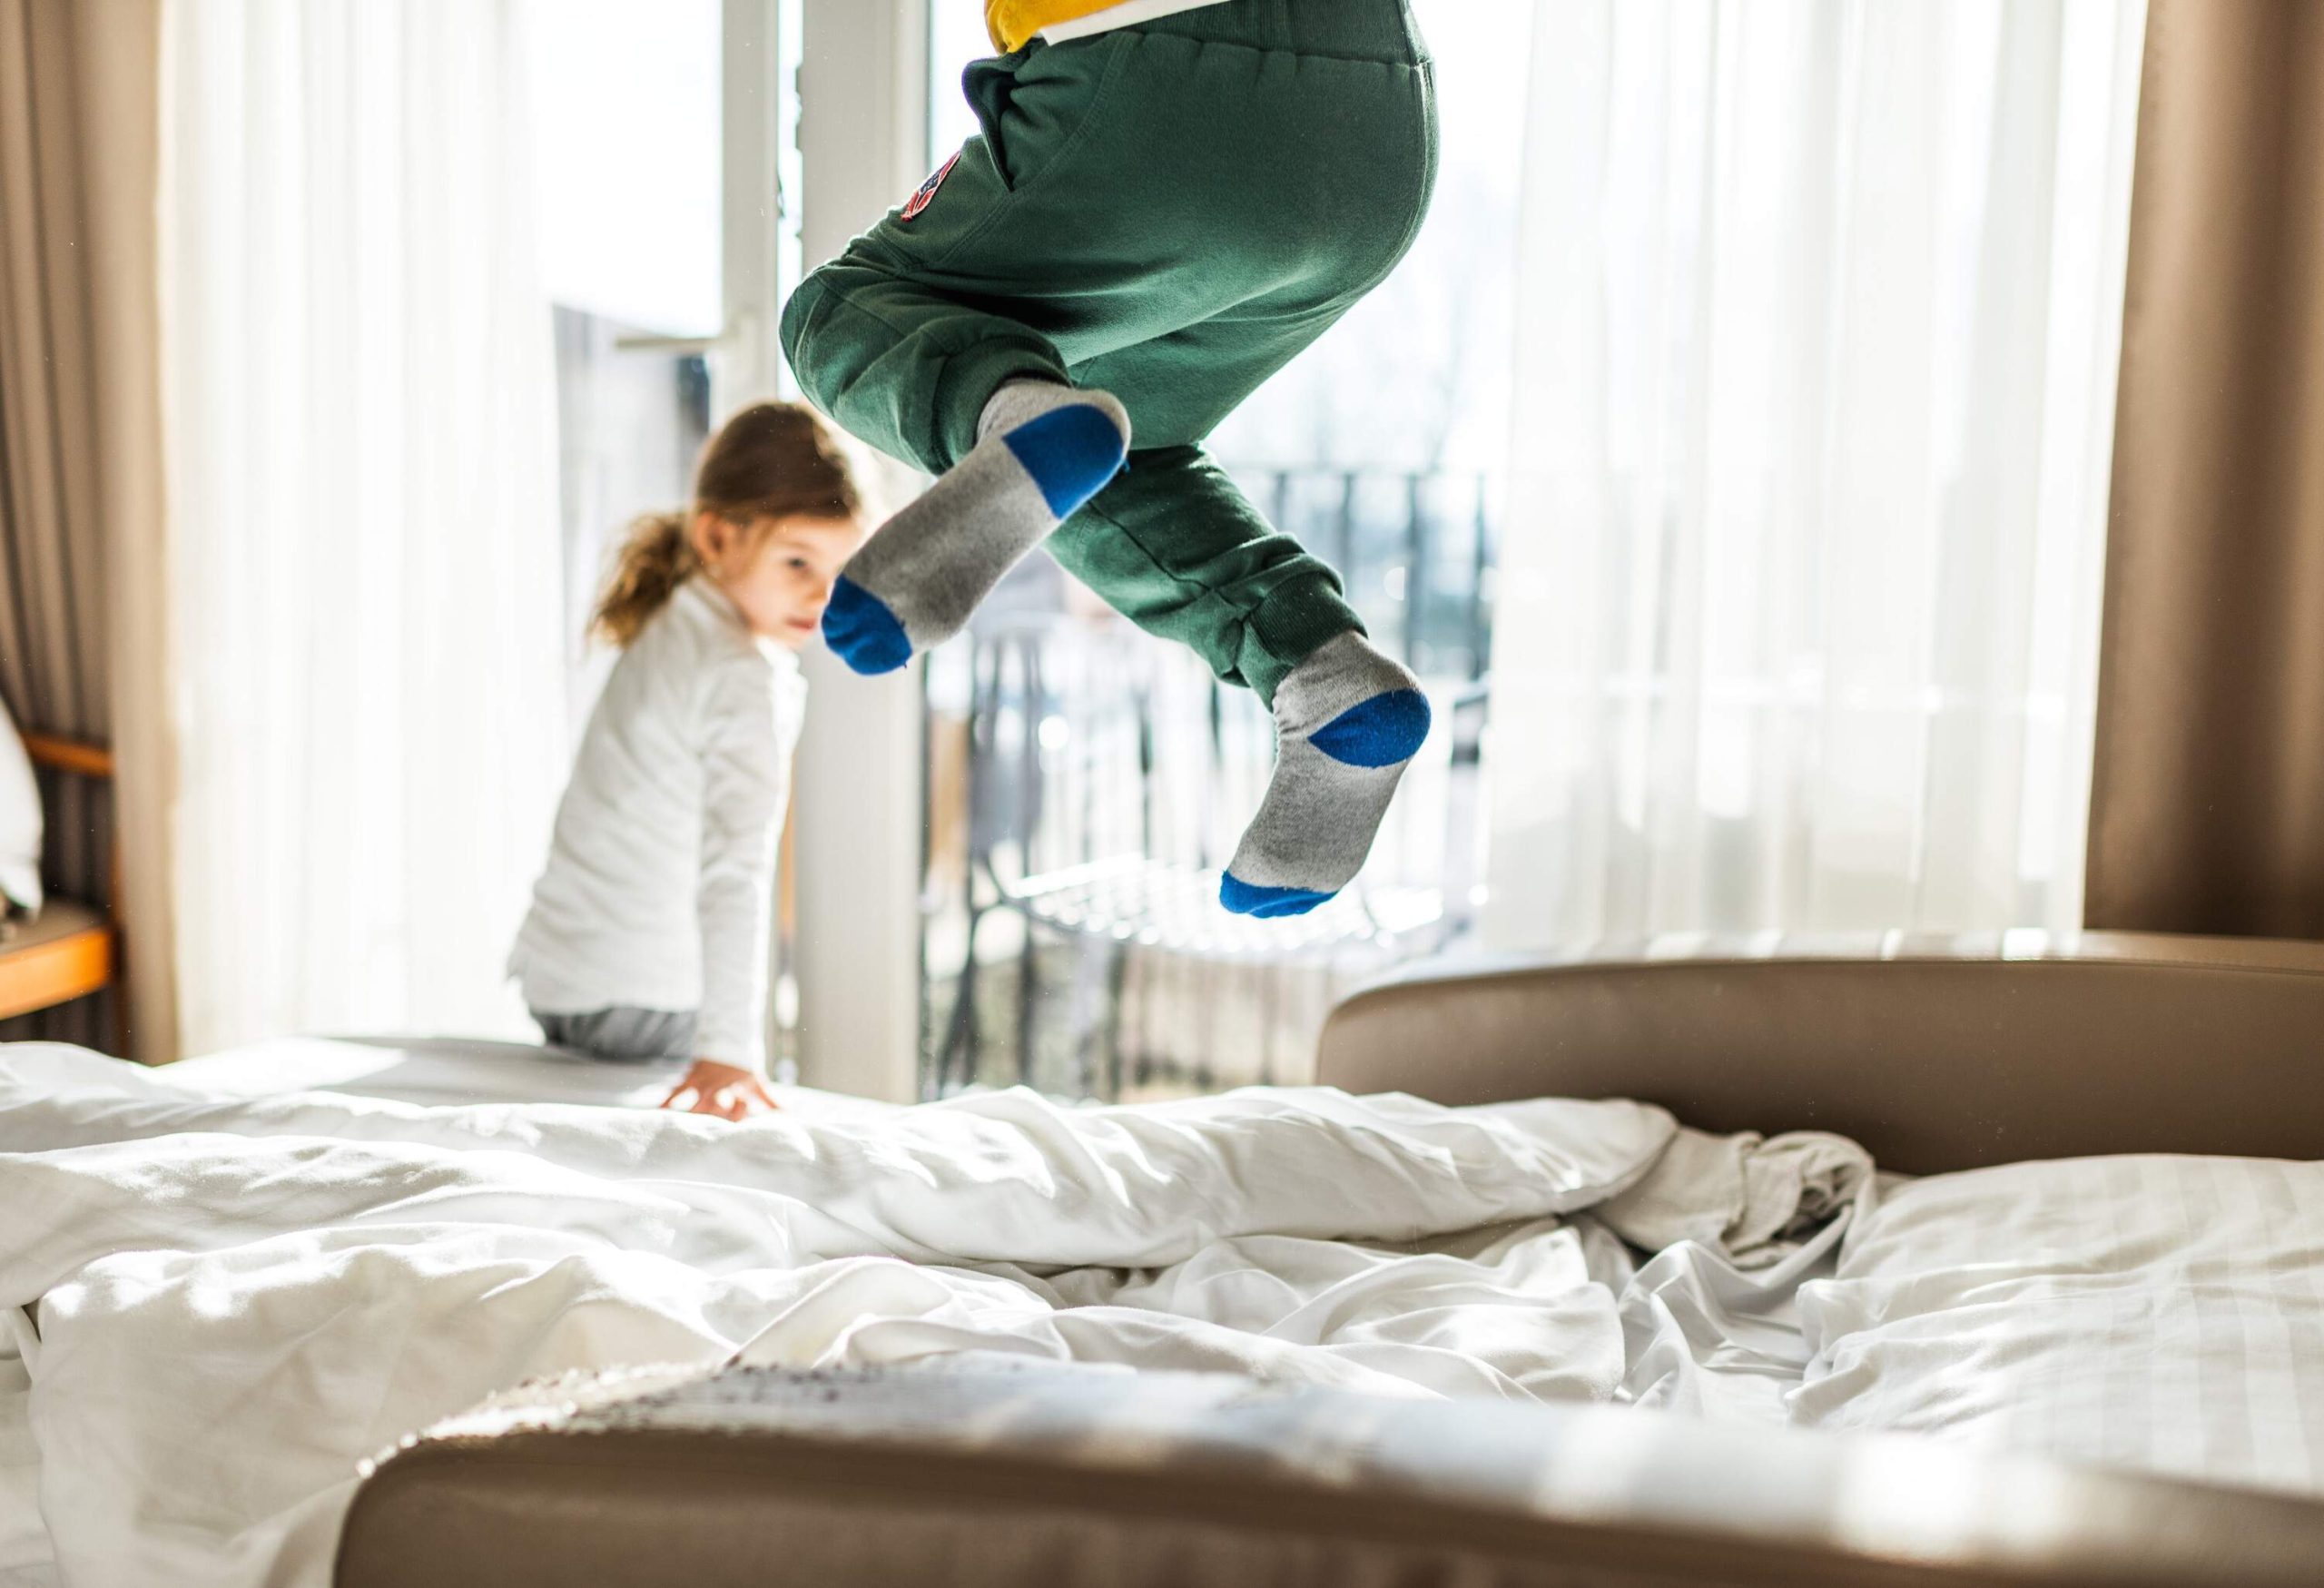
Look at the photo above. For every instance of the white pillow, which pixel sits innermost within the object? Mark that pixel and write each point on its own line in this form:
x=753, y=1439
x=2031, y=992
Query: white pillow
x=19, y=820
x=2159, y=1313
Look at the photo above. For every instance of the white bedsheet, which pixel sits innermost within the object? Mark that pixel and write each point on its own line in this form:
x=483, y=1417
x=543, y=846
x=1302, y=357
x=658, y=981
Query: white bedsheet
x=26, y=1557
x=2163, y=1313
x=238, y=1298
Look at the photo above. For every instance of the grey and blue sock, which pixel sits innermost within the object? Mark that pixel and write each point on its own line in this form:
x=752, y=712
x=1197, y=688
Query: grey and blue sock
x=1348, y=721
x=1042, y=451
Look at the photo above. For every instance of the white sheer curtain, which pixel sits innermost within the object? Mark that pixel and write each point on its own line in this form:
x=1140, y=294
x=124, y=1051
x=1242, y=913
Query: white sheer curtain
x=1797, y=603
x=360, y=414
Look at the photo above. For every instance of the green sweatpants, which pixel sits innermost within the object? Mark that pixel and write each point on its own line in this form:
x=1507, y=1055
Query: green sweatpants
x=1168, y=212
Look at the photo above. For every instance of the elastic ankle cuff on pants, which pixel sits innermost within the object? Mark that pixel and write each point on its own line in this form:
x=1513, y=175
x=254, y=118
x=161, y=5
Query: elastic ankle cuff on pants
x=966, y=385
x=1288, y=627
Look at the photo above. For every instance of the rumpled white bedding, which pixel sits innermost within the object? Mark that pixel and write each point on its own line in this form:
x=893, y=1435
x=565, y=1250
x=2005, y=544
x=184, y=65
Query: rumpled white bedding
x=222, y=1304
x=24, y=1553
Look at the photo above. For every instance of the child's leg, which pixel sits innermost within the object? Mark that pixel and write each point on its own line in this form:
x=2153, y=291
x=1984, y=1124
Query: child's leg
x=1174, y=546
x=944, y=337
x=1168, y=214
x=978, y=398
x=625, y=1036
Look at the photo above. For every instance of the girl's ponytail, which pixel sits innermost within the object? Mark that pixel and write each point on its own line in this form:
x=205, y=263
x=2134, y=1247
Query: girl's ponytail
x=655, y=561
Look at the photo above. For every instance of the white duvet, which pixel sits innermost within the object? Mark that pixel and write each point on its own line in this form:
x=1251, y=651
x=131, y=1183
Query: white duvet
x=221, y=1306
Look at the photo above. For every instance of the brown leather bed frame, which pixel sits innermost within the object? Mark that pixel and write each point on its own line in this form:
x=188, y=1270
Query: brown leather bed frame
x=1937, y=1055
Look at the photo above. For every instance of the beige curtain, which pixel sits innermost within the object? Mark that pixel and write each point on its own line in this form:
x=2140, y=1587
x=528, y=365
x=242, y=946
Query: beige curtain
x=82, y=646
x=2207, y=800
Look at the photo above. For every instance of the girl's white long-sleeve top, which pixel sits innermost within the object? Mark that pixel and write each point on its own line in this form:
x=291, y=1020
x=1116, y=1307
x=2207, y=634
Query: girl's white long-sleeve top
x=659, y=889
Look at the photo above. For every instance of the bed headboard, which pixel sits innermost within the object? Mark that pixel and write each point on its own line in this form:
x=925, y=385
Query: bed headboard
x=1936, y=1053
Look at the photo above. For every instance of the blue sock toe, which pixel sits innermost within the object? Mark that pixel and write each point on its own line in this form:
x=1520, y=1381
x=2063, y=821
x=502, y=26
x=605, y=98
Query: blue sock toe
x=1379, y=732
x=1070, y=452
x=862, y=632
x=1250, y=899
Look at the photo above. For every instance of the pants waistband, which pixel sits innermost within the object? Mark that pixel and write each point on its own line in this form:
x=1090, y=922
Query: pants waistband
x=1359, y=30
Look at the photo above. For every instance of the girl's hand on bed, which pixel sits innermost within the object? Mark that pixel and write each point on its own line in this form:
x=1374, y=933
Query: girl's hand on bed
x=720, y=1091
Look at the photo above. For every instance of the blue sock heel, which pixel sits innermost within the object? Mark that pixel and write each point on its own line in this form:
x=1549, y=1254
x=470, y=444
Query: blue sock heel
x=1379, y=732
x=1071, y=452
x=862, y=632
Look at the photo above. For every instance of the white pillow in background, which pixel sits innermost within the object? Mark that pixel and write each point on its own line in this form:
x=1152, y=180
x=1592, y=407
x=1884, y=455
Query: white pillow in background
x=20, y=825
x=2159, y=1313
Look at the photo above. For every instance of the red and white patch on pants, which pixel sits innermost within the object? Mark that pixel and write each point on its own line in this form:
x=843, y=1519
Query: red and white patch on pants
x=919, y=200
